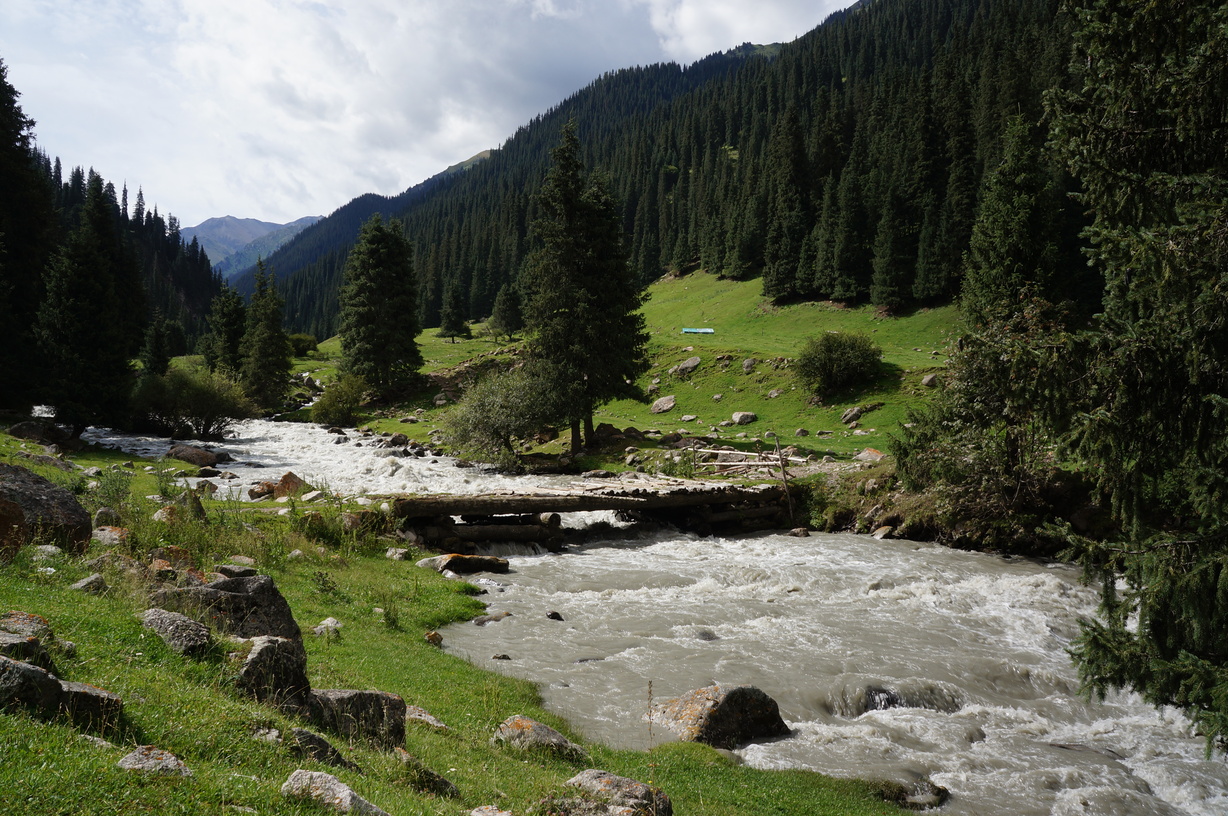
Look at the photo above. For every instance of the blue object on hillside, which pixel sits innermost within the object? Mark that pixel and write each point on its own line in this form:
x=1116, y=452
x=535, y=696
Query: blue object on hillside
x=699, y=331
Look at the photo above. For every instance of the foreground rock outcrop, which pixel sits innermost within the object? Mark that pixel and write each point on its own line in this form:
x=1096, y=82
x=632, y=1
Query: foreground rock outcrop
x=722, y=716
x=527, y=734
x=32, y=506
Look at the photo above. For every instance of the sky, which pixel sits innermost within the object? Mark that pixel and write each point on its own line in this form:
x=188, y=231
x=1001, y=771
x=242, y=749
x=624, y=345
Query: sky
x=277, y=109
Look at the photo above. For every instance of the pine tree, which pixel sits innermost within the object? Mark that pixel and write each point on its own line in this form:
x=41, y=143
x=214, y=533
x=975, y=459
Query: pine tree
x=588, y=334
x=155, y=352
x=506, y=319
x=452, y=323
x=379, y=310
x=265, y=369
x=222, y=346
x=1146, y=133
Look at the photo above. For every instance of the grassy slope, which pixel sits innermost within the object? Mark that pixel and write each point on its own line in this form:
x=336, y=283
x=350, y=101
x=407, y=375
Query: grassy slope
x=188, y=706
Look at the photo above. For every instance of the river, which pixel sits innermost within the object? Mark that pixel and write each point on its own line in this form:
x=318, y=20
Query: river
x=889, y=659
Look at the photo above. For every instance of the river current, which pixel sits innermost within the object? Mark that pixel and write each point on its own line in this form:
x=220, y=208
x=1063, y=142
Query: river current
x=889, y=659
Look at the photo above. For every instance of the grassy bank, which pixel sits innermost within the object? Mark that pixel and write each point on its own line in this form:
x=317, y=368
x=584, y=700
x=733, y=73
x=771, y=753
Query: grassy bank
x=190, y=708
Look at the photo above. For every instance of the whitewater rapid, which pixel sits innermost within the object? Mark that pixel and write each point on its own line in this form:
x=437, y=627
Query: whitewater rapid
x=889, y=659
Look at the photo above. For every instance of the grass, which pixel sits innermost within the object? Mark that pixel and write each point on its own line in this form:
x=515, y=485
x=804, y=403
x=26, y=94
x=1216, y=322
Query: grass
x=189, y=707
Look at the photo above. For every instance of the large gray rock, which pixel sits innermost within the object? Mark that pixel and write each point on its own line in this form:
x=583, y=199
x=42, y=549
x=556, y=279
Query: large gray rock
x=275, y=671
x=688, y=365
x=722, y=716
x=30, y=505
x=192, y=454
x=330, y=791
x=154, y=761
x=23, y=685
x=744, y=417
x=526, y=734
x=26, y=625
x=44, y=433
x=626, y=796
x=465, y=564
x=375, y=716
x=92, y=585
x=311, y=745
x=91, y=707
x=423, y=779
x=27, y=649
x=664, y=405
x=243, y=607
x=181, y=633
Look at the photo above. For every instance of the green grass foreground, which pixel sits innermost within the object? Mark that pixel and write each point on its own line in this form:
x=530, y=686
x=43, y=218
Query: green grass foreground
x=189, y=706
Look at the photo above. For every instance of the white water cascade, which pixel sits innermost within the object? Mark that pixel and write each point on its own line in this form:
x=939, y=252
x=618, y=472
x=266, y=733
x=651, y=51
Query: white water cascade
x=889, y=659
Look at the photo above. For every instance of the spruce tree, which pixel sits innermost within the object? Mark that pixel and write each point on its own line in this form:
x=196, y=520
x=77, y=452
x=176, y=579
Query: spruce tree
x=155, y=352
x=265, y=369
x=379, y=310
x=506, y=319
x=222, y=346
x=1146, y=133
x=588, y=335
x=452, y=323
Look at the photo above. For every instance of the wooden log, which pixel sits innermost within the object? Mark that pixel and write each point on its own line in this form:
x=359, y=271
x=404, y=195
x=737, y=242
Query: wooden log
x=744, y=513
x=492, y=532
x=499, y=505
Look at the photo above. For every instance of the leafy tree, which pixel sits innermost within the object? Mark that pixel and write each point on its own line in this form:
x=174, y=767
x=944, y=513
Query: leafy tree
x=1145, y=130
x=496, y=411
x=452, y=321
x=339, y=403
x=836, y=360
x=84, y=339
x=222, y=346
x=302, y=344
x=506, y=319
x=265, y=369
x=193, y=403
x=588, y=334
x=379, y=310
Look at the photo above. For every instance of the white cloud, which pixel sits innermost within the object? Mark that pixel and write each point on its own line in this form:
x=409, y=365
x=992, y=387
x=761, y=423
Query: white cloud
x=279, y=108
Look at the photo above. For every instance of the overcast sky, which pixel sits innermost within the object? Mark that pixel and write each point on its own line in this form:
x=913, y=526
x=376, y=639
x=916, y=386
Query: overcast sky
x=276, y=109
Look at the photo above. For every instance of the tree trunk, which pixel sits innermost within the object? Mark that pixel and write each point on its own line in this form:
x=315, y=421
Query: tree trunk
x=575, y=436
x=590, y=436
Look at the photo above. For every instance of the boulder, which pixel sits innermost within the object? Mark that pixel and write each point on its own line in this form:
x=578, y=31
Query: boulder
x=26, y=625
x=275, y=671
x=748, y=365
x=870, y=455
x=930, y=380
x=422, y=778
x=23, y=685
x=261, y=490
x=626, y=795
x=32, y=506
x=244, y=607
x=177, y=557
x=27, y=649
x=111, y=536
x=106, y=517
x=744, y=417
x=664, y=405
x=329, y=791
x=194, y=455
x=688, y=365
x=851, y=415
x=521, y=732
x=179, y=632
x=722, y=716
x=311, y=745
x=416, y=714
x=150, y=760
x=466, y=564
x=289, y=485
x=376, y=716
x=44, y=433
x=91, y=707
x=235, y=570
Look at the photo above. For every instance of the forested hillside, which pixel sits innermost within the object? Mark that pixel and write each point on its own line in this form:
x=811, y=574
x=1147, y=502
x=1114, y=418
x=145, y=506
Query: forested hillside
x=846, y=165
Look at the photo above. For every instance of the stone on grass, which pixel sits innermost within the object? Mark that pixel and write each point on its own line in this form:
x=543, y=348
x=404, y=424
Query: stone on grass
x=626, y=796
x=396, y=554
x=26, y=624
x=328, y=627
x=91, y=707
x=664, y=404
x=23, y=685
x=465, y=564
x=422, y=778
x=870, y=455
x=744, y=417
x=32, y=506
x=110, y=536
x=244, y=607
x=489, y=810
x=309, y=744
x=235, y=570
x=290, y=485
x=154, y=761
x=722, y=716
x=416, y=714
x=688, y=365
x=526, y=734
x=930, y=380
x=275, y=671
x=183, y=634
x=376, y=716
x=329, y=791
x=27, y=649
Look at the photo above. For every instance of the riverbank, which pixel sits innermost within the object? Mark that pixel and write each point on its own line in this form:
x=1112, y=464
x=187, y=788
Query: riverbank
x=191, y=709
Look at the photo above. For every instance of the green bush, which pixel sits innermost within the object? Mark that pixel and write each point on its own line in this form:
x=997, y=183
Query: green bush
x=836, y=360
x=303, y=344
x=339, y=403
x=497, y=410
x=191, y=403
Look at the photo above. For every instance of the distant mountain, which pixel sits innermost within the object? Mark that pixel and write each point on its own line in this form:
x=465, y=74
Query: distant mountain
x=261, y=247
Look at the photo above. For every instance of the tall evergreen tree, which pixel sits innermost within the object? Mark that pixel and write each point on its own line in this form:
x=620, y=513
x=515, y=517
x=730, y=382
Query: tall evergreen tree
x=379, y=310
x=587, y=331
x=155, y=352
x=265, y=369
x=507, y=318
x=222, y=346
x=1146, y=132
x=452, y=323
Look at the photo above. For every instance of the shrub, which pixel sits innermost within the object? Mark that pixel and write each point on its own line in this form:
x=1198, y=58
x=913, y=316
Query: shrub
x=836, y=360
x=191, y=402
x=497, y=410
x=302, y=344
x=340, y=402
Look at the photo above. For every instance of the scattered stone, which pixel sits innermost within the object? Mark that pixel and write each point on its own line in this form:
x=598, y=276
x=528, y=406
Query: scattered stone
x=800, y=532
x=244, y=607
x=311, y=745
x=722, y=716
x=91, y=707
x=192, y=454
x=235, y=570
x=422, y=778
x=46, y=552
x=243, y=560
x=598, y=474
x=489, y=810
x=466, y=564
x=433, y=638
x=150, y=760
x=689, y=417
x=482, y=620
x=801, y=432
x=295, y=555
x=329, y=627
x=377, y=716
x=106, y=517
x=554, y=616
x=32, y=506
x=624, y=795
x=396, y=554
x=870, y=455
x=744, y=417
x=501, y=657
x=27, y=649
x=664, y=404
x=775, y=392
x=748, y=365
x=23, y=685
x=415, y=714
x=97, y=742
x=521, y=732
x=921, y=795
x=26, y=625
x=290, y=485
x=181, y=633
x=717, y=397
x=851, y=415
x=883, y=532
x=92, y=585
x=329, y=791
x=930, y=380
x=261, y=490
x=688, y=365
x=269, y=735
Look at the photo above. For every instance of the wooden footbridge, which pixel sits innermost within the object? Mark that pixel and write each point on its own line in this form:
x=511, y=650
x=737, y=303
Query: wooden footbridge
x=694, y=506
